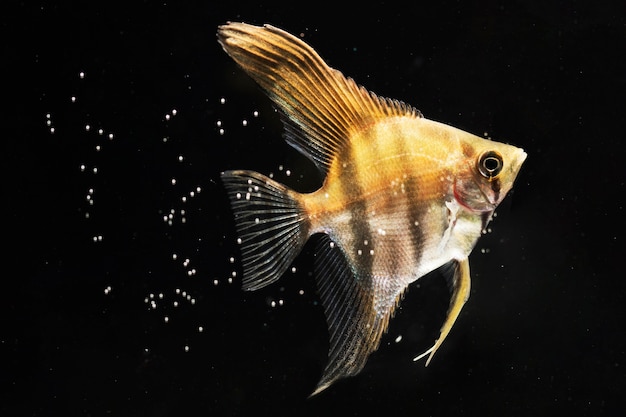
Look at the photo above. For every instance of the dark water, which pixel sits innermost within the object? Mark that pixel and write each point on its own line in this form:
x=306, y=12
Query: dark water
x=120, y=295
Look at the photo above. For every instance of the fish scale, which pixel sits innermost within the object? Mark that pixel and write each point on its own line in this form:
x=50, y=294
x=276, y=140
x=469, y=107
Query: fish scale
x=402, y=196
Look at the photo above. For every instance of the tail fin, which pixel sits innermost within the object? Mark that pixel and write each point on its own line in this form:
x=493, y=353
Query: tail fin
x=271, y=223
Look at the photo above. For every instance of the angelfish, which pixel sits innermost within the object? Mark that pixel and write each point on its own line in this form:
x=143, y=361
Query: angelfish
x=402, y=195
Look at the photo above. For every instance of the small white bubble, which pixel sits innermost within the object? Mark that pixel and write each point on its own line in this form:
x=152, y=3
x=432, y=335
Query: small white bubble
x=200, y=329
x=288, y=172
x=255, y=113
x=167, y=117
x=87, y=128
x=231, y=260
x=173, y=181
x=174, y=112
x=233, y=274
x=293, y=269
x=110, y=136
x=98, y=148
x=186, y=348
x=239, y=240
x=398, y=339
x=180, y=158
x=301, y=292
x=175, y=303
x=273, y=303
x=100, y=131
x=221, y=131
x=222, y=100
x=244, y=123
x=81, y=75
x=166, y=319
x=174, y=256
x=95, y=170
x=52, y=130
x=73, y=99
x=215, y=282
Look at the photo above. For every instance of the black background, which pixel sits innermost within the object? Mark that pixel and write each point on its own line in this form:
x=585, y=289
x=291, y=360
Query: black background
x=543, y=331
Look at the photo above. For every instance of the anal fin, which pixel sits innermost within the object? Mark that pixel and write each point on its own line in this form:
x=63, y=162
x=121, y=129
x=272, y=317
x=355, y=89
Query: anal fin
x=357, y=317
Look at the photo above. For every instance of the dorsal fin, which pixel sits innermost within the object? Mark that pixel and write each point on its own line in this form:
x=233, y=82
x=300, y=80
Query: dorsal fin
x=321, y=108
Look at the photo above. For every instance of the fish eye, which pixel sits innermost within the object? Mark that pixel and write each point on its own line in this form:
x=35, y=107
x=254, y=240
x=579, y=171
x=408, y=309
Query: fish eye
x=490, y=164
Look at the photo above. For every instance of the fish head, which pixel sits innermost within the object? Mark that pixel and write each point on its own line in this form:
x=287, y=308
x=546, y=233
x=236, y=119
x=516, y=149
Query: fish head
x=486, y=173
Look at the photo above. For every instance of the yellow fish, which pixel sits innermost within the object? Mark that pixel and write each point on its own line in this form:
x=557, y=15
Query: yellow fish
x=402, y=196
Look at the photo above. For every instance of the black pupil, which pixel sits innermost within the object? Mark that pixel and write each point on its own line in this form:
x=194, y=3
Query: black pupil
x=491, y=163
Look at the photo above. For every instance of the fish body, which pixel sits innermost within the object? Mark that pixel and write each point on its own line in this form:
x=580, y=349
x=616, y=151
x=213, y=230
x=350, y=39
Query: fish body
x=402, y=196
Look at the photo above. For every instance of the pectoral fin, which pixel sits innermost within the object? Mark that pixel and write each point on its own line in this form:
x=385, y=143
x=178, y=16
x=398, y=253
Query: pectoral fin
x=460, y=293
